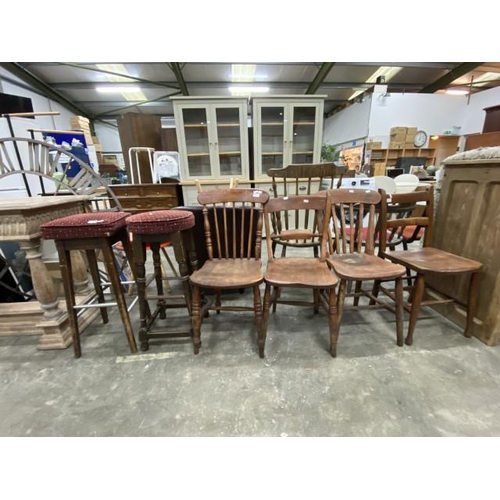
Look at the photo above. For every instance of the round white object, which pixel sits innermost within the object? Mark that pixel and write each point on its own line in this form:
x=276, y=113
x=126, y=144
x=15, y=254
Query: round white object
x=406, y=183
x=386, y=183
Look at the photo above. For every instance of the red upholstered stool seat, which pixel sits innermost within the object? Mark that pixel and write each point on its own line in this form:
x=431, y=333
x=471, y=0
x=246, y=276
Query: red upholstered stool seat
x=149, y=231
x=160, y=221
x=91, y=232
x=90, y=225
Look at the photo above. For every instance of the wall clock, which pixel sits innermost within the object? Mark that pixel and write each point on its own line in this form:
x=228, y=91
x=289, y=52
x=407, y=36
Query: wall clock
x=420, y=138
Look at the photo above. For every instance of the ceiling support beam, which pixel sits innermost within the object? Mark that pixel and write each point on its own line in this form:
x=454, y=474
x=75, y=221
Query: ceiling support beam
x=176, y=68
x=32, y=80
x=114, y=73
x=320, y=77
x=135, y=104
x=452, y=75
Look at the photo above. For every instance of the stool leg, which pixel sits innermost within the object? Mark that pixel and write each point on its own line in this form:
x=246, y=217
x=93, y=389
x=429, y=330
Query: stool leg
x=69, y=292
x=94, y=272
x=109, y=259
x=155, y=250
x=140, y=277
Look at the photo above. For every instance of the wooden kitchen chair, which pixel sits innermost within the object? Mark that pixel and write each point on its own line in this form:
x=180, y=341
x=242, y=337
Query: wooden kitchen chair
x=294, y=228
x=350, y=220
x=298, y=272
x=425, y=260
x=233, y=221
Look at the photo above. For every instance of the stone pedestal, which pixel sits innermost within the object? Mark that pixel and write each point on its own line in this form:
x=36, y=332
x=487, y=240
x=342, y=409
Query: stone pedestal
x=20, y=221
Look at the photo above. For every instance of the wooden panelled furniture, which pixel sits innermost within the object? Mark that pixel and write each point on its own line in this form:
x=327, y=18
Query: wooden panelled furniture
x=467, y=224
x=298, y=272
x=426, y=261
x=233, y=220
x=297, y=228
x=351, y=213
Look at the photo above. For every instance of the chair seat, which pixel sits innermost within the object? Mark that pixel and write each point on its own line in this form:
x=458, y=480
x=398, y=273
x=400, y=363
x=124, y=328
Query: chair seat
x=296, y=234
x=300, y=272
x=160, y=221
x=226, y=273
x=429, y=259
x=362, y=266
x=87, y=225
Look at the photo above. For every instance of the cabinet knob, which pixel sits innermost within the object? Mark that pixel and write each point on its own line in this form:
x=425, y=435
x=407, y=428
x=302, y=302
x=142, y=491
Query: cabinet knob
x=302, y=188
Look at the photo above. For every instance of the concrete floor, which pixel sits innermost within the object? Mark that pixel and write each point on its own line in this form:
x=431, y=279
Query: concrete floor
x=443, y=385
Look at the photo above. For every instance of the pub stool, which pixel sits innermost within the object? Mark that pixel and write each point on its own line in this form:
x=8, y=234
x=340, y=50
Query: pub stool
x=91, y=232
x=149, y=230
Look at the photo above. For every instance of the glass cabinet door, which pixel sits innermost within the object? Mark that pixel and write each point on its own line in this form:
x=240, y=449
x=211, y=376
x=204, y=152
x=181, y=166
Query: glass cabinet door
x=228, y=145
x=303, y=133
x=197, y=142
x=272, y=137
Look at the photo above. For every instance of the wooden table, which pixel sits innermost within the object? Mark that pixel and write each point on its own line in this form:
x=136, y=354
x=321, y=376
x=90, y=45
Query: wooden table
x=20, y=221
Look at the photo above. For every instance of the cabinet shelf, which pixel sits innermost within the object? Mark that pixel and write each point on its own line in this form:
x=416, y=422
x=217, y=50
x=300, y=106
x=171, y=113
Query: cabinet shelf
x=204, y=125
x=274, y=124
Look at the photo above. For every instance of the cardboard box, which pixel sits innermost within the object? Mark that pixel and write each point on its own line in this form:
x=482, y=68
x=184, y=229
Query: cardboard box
x=396, y=145
x=398, y=137
x=374, y=145
x=411, y=131
x=398, y=130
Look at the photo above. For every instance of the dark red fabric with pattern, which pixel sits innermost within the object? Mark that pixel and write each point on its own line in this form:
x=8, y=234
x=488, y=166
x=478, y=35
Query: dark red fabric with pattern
x=91, y=225
x=160, y=221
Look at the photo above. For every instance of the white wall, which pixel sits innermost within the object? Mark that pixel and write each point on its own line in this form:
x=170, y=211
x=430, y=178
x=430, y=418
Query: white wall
x=475, y=114
x=348, y=125
x=433, y=113
x=108, y=136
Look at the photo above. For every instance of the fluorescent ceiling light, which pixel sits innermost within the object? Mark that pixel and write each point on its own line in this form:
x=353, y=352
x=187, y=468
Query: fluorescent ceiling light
x=119, y=90
x=388, y=72
x=456, y=91
x=129, y=93
x=243, y=72
x=486, y=78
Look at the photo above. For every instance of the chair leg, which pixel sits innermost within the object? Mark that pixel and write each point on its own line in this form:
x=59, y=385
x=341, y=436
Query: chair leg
x=69, y=292
x=471, y=303
x=333, y=322
x=218, y=300
x=196, y=319
x=375, y=291
x=265, y=320
x=416, y=296
x=337, y=317
x=399, y=311
x=316, y=300
x=116, y=285
x=357, y=291
x=257, y=307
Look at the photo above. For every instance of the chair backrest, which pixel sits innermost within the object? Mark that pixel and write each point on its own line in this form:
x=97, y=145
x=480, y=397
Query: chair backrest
x=277, y=208
x=232, y=220
x=350, y=220
x=306, y=178
x=390, y=204
x=303, y=179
